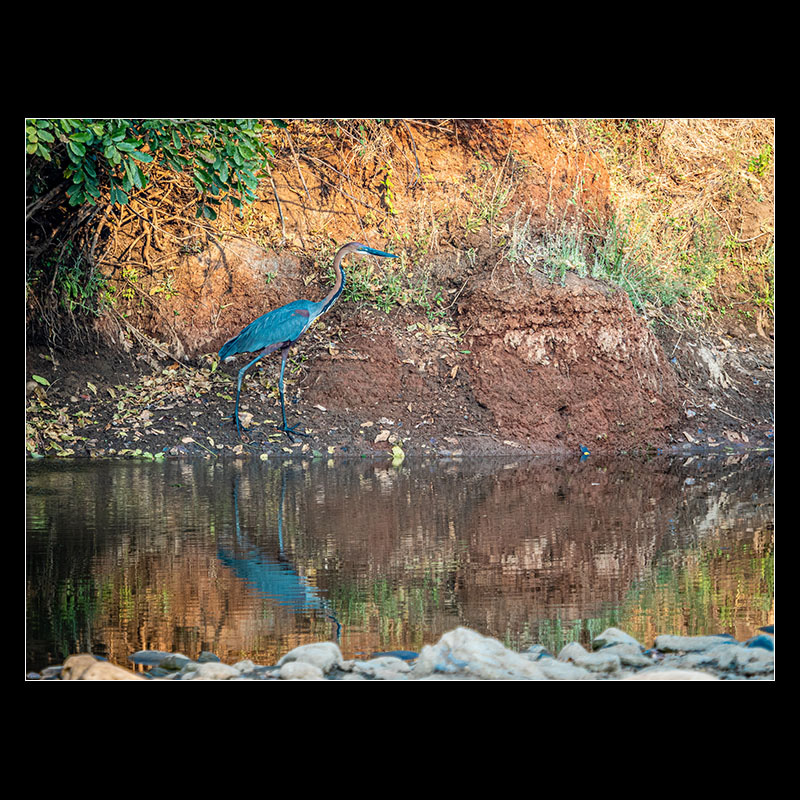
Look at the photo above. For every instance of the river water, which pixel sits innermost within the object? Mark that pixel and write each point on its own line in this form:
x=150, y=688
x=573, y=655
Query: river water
x=248, y=559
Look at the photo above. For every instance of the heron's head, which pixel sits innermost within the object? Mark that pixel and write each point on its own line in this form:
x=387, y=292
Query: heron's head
x=357, y=247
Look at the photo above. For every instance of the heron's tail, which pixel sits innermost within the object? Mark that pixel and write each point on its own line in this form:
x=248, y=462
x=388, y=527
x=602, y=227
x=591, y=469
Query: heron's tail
x=228, y=349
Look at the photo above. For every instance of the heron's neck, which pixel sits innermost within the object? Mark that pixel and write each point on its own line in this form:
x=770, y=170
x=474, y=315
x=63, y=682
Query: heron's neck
x=336, y=290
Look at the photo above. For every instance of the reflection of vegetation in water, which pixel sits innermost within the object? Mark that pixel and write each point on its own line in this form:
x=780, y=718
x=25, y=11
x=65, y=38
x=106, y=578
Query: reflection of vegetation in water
x=711, y=588
x=553, y=634
x=397, y=612
x=128, y=554
x=74, y=608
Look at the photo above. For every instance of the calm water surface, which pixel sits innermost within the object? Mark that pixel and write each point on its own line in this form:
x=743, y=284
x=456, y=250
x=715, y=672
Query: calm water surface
x=249, y=559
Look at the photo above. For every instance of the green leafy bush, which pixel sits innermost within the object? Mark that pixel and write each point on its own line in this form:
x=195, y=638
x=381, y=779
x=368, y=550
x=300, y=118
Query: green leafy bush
x=108, y=159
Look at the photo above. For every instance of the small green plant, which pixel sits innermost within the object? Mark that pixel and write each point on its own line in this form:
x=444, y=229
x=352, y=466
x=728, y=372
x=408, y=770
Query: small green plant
x=76, y=287
x=759, y=164
x=564, y=252
x=390, y=285
x=623, y=256
x=387, y=186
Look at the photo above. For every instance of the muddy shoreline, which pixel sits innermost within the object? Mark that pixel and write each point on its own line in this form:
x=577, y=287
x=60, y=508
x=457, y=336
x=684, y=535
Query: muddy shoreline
x=103, y=404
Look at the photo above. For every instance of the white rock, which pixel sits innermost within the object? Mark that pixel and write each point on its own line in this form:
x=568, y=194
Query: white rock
x=661, y=674
x=749, y=660
x=300, y=671
x=613, y=636
x=324, y=655
x=464, y=654
x=210, y=671
x=385, y=668
x=599, y=662
x=85, y=667
x=556, y=670
x=571, y=651
x=687, y=644
x=630, y=655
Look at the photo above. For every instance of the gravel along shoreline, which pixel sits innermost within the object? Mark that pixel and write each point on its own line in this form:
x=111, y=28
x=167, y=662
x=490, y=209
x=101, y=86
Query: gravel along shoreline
x=463, y=654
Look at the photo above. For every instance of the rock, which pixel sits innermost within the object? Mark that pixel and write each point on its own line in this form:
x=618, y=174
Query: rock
x=768, y=629
x=688, y=644
x=614, y=636
x=50, y=673
x=766, y=642
x=555, y=670
x=300, y=671
x=384, y=668
x=750, y=661
x=175, y=661
x=324, y=655
x=209, y=671
x=598, y=662
x=149, y=658
x=87, y=668
x=629, y=655
x=537, y=652
x=467, y=655
x=205, y=656
x=571, y=651
x=662, y=674
x=724, y=656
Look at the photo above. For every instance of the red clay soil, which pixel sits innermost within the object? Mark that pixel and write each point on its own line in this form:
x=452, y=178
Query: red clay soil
x=521, y=365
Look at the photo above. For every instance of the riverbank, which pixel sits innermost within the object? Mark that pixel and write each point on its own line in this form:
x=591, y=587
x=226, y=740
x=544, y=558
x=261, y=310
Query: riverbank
x=463, y=654
x=560, y=285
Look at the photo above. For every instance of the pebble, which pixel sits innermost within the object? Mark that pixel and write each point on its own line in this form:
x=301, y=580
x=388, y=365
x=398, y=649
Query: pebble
x=463, y=654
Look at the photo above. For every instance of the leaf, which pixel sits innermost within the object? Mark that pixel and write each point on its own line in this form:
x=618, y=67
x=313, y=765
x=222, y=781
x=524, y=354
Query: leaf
x=40, y=379
x=398, y=455
x=92, y=387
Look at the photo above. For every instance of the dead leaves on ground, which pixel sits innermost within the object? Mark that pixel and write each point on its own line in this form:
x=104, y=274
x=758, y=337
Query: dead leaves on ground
x=56, y=425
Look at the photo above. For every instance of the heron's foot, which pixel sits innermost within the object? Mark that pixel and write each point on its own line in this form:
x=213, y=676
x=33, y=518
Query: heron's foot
x=290, y=431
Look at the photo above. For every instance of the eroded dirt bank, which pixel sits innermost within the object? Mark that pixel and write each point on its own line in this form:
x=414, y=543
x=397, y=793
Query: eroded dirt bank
x=520, y=364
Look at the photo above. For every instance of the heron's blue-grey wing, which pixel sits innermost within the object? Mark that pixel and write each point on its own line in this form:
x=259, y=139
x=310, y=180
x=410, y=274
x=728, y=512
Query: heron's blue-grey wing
x=275, y=328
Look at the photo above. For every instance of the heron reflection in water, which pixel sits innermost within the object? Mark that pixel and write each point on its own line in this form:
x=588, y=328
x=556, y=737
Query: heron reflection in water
x=273, y=578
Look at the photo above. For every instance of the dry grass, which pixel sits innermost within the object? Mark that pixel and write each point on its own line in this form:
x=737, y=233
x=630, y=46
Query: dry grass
x=700, y=194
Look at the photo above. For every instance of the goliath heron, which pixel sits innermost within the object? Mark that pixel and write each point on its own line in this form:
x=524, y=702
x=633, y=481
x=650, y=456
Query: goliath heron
x=281, y=328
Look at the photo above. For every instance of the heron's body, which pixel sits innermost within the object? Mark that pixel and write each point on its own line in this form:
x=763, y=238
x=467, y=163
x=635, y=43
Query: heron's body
x=281, y=328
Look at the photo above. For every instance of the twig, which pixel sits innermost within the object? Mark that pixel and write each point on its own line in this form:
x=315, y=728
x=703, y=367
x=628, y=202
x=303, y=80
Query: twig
x=733, y=416
x=145, y=339
x=413, y=147
x=297, y=163
x=278, y=203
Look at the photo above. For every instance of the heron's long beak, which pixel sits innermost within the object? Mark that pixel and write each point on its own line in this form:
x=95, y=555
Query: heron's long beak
x=378, y=253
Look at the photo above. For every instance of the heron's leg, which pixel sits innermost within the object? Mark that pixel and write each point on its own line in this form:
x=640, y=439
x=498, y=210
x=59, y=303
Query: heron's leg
x=286, y=429
x=239, y=388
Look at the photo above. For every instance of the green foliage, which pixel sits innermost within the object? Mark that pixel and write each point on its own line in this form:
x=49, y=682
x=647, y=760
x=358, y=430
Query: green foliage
x=388, y=285
x=759, y=164
x=108, y=159
x=624, y=257
x=78, y=287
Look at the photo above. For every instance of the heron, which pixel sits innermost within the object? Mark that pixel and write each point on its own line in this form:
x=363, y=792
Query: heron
x=281, y=328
